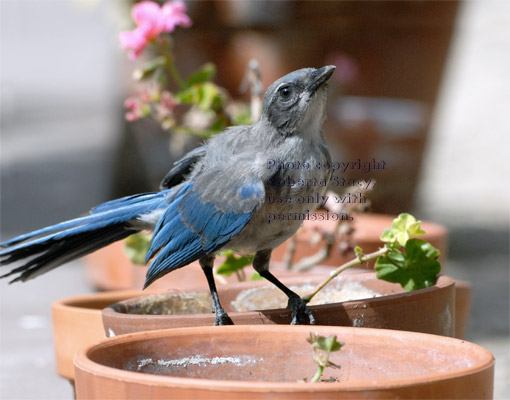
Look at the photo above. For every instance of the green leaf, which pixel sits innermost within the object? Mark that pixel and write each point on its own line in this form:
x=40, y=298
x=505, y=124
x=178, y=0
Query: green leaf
x=136, y=247
x=242, y=117
x=256, y=277
x=205, y=73
x=217, y=126
x=327, y=344
x=416, y=268
x=149, y=68
x=206, y=95
x=168, y=123
x=233, y=263
x=358, y=251
x=402, y=228
x=188, y=95
x=388, y=235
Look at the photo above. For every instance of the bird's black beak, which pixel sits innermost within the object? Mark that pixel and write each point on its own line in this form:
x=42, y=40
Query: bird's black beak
x=319, y=77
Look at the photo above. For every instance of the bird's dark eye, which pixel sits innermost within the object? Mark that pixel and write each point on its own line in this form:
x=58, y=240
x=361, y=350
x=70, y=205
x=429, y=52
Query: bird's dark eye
x=285, y=92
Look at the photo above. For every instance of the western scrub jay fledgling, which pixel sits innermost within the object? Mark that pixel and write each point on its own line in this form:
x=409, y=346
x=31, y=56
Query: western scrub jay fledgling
x=213, y=198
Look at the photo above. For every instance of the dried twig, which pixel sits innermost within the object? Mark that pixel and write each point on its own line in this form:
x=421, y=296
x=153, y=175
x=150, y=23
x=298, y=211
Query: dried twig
x=252, y=79
x=343, y=230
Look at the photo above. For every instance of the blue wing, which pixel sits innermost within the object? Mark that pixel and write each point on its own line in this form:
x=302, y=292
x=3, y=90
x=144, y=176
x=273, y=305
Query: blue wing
x=191, y=228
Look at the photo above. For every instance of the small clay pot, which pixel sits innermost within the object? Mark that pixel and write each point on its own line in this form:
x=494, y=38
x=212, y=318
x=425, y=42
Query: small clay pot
x=430, y=310
x=463, y=293
x=247, y=362
x=110, y=269
x=77, y=324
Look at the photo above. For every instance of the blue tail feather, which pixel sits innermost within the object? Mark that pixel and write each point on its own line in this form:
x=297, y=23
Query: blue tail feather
x=50, y=247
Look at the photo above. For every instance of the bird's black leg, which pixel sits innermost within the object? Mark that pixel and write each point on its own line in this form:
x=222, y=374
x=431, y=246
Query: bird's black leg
x=222, y=317
x=300, y=312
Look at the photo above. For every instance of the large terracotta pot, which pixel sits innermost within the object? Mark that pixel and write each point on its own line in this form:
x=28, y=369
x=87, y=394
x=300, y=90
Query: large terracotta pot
x=77, y=324
x=247, y=362
x=430, y=310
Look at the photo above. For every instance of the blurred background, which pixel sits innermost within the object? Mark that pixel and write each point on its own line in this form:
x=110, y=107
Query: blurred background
x=422, y=85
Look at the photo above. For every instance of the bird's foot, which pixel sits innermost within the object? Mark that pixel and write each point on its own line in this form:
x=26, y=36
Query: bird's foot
x=301, y=314
x=222, y=318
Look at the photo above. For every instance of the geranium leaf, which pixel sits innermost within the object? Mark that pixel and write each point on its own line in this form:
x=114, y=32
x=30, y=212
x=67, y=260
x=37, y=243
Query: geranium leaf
x=233, y=263
x=204, y=74
x=136, y=247
x=416, y=268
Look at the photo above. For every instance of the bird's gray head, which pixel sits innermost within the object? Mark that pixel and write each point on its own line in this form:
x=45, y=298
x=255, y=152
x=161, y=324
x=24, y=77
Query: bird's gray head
x=296, y=102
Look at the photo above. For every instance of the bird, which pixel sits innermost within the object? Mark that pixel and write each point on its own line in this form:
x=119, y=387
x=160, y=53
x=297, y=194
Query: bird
x=213, y=198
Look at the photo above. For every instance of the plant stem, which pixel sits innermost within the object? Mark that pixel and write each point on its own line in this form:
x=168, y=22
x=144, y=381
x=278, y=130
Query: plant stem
x=166, y=51
x=357, y=261
x=318, y=373
x=174, y=73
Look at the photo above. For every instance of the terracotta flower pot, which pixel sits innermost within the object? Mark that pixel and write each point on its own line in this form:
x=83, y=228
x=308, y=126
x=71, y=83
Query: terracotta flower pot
x=77, y=324
x=463, y=293
x=110, y=269
x=430, y=310
x=368, y=228
x=241, y=362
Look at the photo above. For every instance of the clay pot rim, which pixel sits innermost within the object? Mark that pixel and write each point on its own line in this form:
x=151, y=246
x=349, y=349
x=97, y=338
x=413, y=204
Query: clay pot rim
x=82, y=361
x=438, y=229
x=434, y=230
x=73, y=303
x=442, y=283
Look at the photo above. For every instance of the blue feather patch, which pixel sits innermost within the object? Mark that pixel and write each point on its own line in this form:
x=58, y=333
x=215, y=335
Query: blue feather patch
x=253, y=190
x=189, y=229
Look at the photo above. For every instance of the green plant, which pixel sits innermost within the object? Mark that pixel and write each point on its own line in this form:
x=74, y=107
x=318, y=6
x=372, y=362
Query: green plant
x=410, y=262
x=205, y=107
x=235, y=264
x=322, y=347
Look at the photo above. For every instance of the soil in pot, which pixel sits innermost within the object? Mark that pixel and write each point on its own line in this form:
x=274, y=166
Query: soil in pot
x=250, y=361
x=394, y=309
x=255, y=298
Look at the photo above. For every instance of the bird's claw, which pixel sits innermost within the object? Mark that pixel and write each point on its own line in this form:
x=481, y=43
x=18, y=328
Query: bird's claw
x=222, y=318
x=301, y=314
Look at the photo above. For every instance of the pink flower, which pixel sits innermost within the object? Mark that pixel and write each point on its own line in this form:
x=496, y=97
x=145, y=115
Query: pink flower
x=174, y=14
x=132, y=104
x=167, y=100
x=151, y=20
